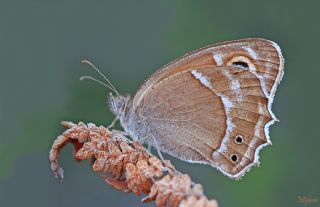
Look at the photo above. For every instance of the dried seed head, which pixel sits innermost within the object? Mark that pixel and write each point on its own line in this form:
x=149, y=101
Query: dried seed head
x=128, y=167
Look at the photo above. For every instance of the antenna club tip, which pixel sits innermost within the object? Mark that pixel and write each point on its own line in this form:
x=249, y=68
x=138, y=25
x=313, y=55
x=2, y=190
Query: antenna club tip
x=89, y=63
x=84, y=61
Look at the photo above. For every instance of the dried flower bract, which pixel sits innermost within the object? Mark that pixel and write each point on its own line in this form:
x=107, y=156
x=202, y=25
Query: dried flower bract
x=128, y=166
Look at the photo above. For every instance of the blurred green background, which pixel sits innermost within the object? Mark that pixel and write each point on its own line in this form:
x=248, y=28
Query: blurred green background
x=43, y=41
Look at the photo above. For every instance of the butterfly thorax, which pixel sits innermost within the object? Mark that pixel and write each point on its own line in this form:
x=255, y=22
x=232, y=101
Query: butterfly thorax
x=122, y=108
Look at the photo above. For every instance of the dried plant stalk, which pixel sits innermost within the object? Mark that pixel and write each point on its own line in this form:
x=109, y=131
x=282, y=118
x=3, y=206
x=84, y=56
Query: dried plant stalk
x=128, y=166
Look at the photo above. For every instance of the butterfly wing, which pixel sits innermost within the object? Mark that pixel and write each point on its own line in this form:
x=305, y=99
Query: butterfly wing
x=213, y=105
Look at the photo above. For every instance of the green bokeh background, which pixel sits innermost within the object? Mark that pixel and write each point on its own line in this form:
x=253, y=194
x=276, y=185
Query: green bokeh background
x=43, y=41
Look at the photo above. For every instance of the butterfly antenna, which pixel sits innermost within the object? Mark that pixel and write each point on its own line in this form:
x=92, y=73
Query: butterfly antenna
x=86, y=77
x=98, y=71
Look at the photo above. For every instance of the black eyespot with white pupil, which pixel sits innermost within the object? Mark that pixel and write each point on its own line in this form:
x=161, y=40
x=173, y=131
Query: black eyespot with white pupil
x=234, y=158
x=238, y=139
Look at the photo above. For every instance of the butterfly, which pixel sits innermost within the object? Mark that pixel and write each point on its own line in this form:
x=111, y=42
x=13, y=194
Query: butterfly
x=211, y=106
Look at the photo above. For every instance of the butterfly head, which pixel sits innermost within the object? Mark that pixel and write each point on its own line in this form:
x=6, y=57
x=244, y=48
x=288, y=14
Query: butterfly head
x=118, y=104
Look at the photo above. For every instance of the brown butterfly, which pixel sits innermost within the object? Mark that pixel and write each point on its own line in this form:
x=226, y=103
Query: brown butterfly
x=211, y=106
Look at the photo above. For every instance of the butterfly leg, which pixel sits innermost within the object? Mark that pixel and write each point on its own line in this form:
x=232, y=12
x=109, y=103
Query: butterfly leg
x=156, y=145
x=113, y=123
x=149, y=148
x=117, y=133
x=167, y=165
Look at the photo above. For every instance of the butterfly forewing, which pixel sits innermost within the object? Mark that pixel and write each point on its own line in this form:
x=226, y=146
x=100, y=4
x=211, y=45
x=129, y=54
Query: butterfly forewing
x=264, y=57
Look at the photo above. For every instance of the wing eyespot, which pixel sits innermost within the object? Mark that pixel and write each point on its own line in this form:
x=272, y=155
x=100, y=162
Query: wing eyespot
x=241, y=64
x=234, y=158
x=238, y=139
